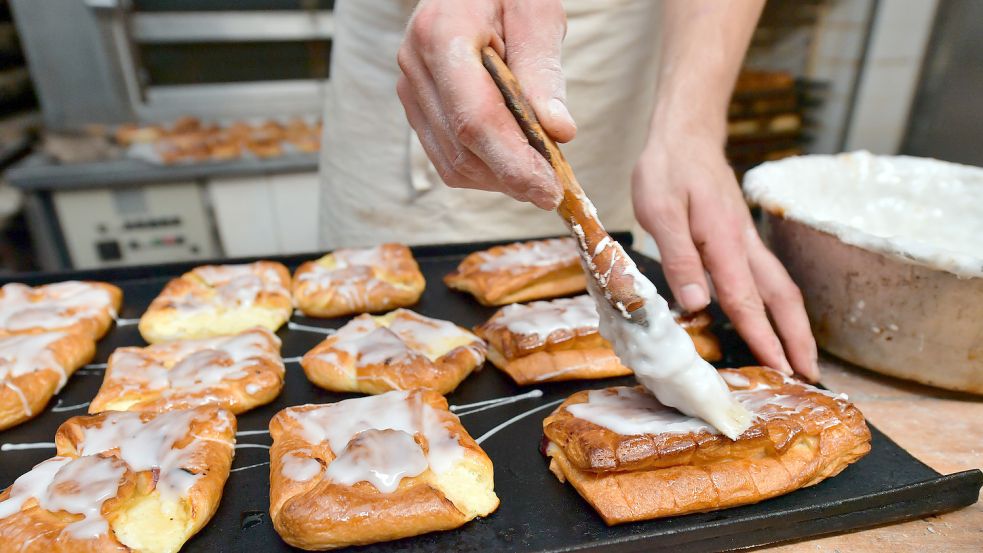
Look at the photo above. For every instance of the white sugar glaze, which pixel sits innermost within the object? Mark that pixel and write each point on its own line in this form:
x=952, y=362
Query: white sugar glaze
x=542, y=318
x=538, y=253
x=922, y=210
x=186, y=366
x=340, y=423
x=394, y=338
x=51, y=306
x=663, y=357
x=237, y=285
x=296, y=466
x=22, y=354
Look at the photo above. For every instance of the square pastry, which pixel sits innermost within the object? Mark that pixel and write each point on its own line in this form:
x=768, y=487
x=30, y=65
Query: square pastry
x=347, y=282
x=549, y=341
x=217, y=300
x=238, y=372
x=123, y=482
x=86, y=308
x=35, y=367
x=522, y=271
x=401, y=350
x=374, y=469
x=634, y=459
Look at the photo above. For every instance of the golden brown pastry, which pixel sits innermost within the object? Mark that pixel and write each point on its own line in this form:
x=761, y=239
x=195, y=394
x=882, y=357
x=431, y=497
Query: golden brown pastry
x=238, y=372
x=401, y=350
x=633, y=459
x=122, y=482
x=374, y=469
x=218, y=300
x=550, y=341
x=358, y=281
x=34, y=367
x=520, y=272
x=77, y=307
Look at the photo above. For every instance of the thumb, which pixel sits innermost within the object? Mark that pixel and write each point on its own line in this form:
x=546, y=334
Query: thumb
x=534, y=34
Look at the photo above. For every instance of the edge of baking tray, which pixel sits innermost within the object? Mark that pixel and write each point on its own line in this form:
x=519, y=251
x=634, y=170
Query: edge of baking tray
x=137, y=272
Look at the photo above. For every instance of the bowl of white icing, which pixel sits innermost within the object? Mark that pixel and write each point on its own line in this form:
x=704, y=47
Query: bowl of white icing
x=888, y=253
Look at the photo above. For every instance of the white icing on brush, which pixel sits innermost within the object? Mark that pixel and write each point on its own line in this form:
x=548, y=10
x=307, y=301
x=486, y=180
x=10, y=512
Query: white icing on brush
x=189, y=366
x=383, y=459
x=922, y=210
x=52, y=306
x=542, y=318
x=22, y=354
x=538, y=253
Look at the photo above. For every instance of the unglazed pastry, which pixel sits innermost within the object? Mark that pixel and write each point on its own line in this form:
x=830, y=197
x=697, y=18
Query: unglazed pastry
x=401, y=350
x=122, y=482
x=34, y=367
x=550, y=341
x=238, y=372
x=522, y=271
x=218, y=300
x=374, y=469
x=77, y=307
x=368, y=280
x=634, y=459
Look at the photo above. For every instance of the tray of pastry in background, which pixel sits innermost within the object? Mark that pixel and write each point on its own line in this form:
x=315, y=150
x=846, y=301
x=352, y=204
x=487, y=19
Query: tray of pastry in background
x=537, y=512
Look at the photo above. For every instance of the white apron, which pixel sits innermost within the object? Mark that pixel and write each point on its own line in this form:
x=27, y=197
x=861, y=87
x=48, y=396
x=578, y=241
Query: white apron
x=376, y=182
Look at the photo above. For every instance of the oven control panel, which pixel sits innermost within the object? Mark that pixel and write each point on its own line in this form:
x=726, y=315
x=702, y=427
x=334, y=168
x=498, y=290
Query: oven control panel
x=146, y=224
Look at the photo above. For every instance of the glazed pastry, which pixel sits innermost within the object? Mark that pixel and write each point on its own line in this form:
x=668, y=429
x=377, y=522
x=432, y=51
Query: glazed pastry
x=549, y=341
x=238, y=372
x=86, y=308
x=522, y=271
x=401, y=350
x=122, y=482
x=374, y=469
x=218, y=300
x=358, y=281
x=35, y=367
x=634, y=459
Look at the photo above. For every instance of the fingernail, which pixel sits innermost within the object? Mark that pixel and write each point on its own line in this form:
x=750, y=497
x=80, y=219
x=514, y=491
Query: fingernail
x=785, y=367
x=558, y=110
x=693, y=297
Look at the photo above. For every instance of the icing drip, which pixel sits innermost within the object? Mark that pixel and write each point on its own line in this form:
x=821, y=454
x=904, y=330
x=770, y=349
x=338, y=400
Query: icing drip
x=27, y=353
x=151, y=445
x=539, y=253
x=297, y=467
x=542, y=318
x=187, y=366
x=78, y=486
x=52, y=306
x=397, y=457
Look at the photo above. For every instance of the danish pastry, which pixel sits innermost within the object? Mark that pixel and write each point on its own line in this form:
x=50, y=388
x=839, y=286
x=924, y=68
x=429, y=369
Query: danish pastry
x=34, y=367
x=633, y=459
x=522, y=271
x=549, y=341
x=401, y=350
x=217, y=300
x=122, y=482
x=238, y=372
x=374, y=469
x=358, y=281
x=86, y=308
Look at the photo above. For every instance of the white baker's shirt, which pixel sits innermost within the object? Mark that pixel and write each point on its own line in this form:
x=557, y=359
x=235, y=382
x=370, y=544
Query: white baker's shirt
x=377, y=184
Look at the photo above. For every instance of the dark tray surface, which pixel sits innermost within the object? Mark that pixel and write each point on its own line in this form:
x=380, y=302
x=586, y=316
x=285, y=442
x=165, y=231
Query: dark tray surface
x=537, y=513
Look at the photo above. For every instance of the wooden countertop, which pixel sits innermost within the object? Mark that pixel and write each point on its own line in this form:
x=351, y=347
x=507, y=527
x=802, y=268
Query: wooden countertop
x=942, y=429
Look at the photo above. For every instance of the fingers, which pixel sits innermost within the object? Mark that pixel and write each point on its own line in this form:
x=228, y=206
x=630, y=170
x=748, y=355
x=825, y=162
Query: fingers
x=784, y=302
x=725, y=255
x=667, y=220
x=455, y=98
x=535, y=31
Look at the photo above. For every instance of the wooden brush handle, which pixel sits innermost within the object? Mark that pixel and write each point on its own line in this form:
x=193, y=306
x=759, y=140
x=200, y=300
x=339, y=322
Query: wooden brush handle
x=575, y=208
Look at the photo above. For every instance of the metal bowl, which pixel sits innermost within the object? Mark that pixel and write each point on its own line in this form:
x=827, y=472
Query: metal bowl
x=883, y=311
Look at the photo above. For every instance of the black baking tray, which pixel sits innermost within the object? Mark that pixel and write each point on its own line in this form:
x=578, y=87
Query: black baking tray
x=537, y=512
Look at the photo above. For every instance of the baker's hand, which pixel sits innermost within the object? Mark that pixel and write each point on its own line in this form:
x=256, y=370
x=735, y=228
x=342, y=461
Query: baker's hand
x=456, y=109
x=686, y=196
